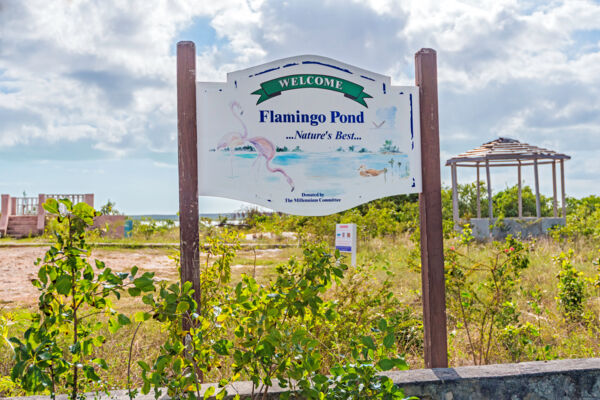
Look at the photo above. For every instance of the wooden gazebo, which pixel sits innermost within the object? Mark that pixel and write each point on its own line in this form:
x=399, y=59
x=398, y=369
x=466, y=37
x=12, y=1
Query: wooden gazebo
x=505, y=152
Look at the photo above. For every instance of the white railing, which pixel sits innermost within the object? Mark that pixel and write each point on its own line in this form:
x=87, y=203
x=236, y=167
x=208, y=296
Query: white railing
x=75, y=198
x=26, y=206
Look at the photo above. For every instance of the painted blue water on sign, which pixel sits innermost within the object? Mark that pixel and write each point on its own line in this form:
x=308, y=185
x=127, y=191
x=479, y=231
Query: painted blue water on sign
x=320, y=170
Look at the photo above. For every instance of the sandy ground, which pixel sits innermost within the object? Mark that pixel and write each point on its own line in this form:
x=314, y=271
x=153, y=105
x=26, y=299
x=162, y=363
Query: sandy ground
x=17, y=267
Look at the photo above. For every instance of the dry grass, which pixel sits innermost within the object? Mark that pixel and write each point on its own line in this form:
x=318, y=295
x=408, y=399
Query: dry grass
x=565, y=339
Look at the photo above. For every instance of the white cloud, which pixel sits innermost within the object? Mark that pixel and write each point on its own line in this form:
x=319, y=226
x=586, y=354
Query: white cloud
x=102, y=73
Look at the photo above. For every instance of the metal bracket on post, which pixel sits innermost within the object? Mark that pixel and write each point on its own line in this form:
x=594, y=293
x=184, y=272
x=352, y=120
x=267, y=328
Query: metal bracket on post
x=430, y=204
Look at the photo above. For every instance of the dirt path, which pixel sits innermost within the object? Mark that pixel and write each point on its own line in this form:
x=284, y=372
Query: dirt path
x=17, y=268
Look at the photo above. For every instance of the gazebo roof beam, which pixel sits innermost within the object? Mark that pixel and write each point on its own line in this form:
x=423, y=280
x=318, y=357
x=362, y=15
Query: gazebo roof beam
x=508, y=156
x=496, y=164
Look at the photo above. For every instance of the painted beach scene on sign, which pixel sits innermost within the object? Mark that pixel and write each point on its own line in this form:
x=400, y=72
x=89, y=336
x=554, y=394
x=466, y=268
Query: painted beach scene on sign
x=307, y=136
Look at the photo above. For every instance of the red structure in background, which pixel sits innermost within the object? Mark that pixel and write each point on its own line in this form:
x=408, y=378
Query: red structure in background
x=24, y=216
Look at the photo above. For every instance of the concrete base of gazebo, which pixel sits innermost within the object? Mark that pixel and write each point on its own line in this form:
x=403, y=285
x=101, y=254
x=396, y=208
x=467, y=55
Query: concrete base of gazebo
x=524, y=227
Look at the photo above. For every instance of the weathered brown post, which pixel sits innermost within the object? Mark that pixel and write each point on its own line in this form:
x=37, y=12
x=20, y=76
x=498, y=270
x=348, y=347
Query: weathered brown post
x=430, y=204
x=188, y=165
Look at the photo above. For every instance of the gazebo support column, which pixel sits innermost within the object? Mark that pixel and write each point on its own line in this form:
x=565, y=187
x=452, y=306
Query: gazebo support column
x=489, y=190
x=454, y=198
x=520, y=191
x=478, y=194
x=562, y=188
x=554, y=197
x=538, y=211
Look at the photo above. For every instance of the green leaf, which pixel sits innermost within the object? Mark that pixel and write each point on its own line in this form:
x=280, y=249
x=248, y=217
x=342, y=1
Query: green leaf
x=338, y=272
x=51, y=206
x=141, y=316
x=209, y=392
x=148, y=299
x=368, y=342
x=144, y=366
x=400, y=363
x=63, y=285
x=382, y=324
x=146, y=387
x=222, y=347
x=101, y=363
x=389, y=340
x=134, y=292
x=90, y=373
x=182, y=307
x=144, y=283
x=123, y=320
x=386, y=364
x=220, y=395
x=113, y=325
x=75, y=348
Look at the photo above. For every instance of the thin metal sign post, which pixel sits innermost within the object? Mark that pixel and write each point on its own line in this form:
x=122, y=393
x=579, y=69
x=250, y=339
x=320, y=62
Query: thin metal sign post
x=430, y=210
x=432, y=257
x=188, y=166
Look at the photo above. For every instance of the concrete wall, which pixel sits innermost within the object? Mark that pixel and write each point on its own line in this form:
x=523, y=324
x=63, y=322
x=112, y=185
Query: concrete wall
x=525, y=226
x=552, y=380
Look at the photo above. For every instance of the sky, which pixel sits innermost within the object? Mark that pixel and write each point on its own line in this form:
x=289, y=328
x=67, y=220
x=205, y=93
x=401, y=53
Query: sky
x=88, y=99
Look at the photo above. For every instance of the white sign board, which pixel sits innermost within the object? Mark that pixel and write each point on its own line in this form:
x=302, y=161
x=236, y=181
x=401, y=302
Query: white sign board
x=307, y=135
x=345, y=240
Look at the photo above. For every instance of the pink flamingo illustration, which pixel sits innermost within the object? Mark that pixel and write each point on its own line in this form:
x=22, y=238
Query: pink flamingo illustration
x=233, y=139
x=263, y=146
x=265, y=149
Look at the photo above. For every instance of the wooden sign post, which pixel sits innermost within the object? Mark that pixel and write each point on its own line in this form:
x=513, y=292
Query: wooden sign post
x=188, y=166
x=305, y=77
x=430, y=208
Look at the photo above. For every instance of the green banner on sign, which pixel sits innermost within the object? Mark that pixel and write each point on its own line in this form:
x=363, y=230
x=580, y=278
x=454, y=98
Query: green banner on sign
x=274, y=87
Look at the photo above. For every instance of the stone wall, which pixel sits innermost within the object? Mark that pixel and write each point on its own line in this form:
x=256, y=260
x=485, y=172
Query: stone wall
x=483, y=229
x=551, y=380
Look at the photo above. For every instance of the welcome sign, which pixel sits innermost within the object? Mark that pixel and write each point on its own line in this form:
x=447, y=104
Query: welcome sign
x=307, y=135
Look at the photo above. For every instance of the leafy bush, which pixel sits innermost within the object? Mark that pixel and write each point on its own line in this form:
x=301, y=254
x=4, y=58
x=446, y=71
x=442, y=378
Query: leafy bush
x=148, y=227
x=55, y=351
x=481, y=292
x=583, y=219
x=281, y=330
x=571, y=288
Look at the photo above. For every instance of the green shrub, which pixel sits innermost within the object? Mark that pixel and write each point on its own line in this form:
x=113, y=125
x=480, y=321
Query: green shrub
x=56, y=351
x=571, y=287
